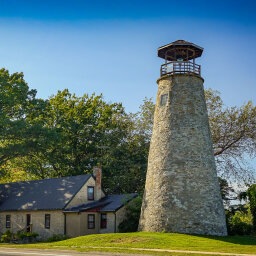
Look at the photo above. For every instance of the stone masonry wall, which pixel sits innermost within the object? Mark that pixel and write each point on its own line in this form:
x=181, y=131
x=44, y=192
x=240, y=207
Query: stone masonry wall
x=120, y=216
x=82, y=197
x=182, y=194
x=110, y=224
x=18, y=222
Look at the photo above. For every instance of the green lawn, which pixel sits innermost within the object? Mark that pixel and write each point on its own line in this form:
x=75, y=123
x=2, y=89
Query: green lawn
x=230, y=244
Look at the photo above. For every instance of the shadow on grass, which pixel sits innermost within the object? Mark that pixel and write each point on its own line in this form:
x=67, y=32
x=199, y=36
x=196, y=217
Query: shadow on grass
x=242, y=240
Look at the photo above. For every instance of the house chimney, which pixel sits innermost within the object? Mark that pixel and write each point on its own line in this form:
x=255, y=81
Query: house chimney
x=97, y=172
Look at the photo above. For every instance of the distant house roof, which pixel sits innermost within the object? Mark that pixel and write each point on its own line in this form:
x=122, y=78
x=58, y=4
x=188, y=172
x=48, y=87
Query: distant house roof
x=110, y=203
x=46, y=194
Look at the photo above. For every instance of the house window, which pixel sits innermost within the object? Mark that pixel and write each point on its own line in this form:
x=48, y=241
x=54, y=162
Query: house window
x=103, y=220
x=8, y=221
x=91, y=221
x=163, y=100
x=28, y=217
x=90, y=193
x=47, y=222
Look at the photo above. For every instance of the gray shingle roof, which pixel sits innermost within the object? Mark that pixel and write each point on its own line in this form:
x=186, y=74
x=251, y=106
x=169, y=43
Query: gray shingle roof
x=110, y=203
x=47, y=194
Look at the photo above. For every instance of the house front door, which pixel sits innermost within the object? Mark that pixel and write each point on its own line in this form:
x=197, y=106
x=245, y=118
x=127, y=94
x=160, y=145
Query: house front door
x=28, y=222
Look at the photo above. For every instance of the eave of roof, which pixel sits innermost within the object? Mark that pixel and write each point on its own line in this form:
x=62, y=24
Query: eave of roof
x=110, y=203
x=173, y=48
x=185, y=43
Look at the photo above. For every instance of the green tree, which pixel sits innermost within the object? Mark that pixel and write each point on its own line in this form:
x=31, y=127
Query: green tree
x=239, y=221
x=252, y=198
x=131, y=222
x=18, y=136
x=132, y=156
x=125, y=166
x=11, y=172
x=88, y=131
x=227, y=192
x=234, y=136
x=83, y=127
x=67, y=135
x=251, y=195
x=143, y=120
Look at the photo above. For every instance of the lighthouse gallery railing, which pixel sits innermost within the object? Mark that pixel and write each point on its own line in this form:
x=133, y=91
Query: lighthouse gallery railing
x=180, y=67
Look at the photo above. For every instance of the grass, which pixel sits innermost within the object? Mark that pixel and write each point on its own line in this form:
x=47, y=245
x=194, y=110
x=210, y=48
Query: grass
x=124, y=241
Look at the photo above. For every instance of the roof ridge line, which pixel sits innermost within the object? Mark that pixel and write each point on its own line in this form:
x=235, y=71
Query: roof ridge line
x=54, y=178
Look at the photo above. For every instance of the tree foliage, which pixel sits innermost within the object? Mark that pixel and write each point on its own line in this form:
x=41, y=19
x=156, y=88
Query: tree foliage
x=84, y=126
x=234, y=136
x=131, y=222
x=18, y=136
x=67, y=135
x=227, y=192
x=251, y=192
x=239, y=221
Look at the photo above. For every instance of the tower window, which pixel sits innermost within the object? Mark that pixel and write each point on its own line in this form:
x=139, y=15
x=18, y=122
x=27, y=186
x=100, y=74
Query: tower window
x=163, y=100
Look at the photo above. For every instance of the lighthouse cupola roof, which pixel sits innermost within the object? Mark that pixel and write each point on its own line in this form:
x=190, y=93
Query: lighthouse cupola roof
x=179, y=50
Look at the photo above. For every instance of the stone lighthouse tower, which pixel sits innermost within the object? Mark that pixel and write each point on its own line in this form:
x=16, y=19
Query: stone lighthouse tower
x=182, y=193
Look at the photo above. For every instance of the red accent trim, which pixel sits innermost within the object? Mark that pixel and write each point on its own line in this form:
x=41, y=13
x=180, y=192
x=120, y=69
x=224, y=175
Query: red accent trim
x=93, y=209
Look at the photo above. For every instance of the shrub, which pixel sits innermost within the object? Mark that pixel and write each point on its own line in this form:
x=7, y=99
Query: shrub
x=240, y=222
x=57, y=237
x=22, y=235
x=251, y=192
x=7, y=237
x=131, y=222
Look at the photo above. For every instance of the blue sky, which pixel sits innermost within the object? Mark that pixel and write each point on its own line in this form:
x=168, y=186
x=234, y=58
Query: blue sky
x=110, y=46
